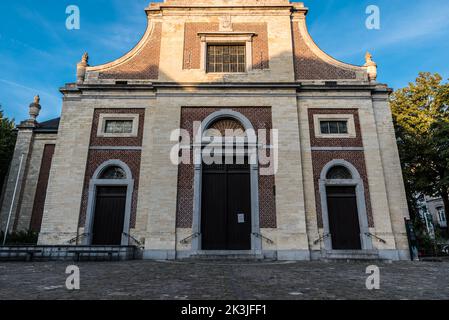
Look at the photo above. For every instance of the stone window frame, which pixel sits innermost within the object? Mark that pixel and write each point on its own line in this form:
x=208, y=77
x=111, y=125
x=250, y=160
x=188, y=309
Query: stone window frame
x=223, y=38
x=356, y=182
x=104, y=117
x=349, y=118
x=92, y=197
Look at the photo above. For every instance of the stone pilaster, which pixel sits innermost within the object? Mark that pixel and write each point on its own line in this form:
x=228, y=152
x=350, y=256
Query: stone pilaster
x=17, y=174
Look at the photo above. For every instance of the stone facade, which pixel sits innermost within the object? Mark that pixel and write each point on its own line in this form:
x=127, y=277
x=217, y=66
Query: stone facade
x=288, y=82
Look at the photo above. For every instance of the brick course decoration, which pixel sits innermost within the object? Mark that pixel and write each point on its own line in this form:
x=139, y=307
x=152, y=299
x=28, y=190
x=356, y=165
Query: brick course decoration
x=192, y=43
x=321, y=158
x=261, y=119
x=41, y=189
x=357, y=159
x=310, y=67
x=329, y=142
x=96, y=158
x=131, y=157
x=143, y=65
x=114, y=142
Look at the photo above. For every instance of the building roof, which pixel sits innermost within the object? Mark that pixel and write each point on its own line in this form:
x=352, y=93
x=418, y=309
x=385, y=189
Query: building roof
x=50, y=126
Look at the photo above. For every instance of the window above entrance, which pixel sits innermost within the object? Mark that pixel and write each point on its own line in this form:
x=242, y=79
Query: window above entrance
x=113, y=173
x=111, y=125
x=226, y=127
x=226, y=58
x=339, y=173
x=226, y=52
x=118, y=126
x=334, y=126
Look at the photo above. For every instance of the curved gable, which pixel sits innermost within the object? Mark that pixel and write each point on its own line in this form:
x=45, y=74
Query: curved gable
x=141, y=63
x=311, y=63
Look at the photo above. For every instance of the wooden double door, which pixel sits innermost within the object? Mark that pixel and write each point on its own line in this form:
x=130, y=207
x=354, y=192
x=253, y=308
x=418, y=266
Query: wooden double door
x=343, y=218
x=226, y=207
x=109, y=216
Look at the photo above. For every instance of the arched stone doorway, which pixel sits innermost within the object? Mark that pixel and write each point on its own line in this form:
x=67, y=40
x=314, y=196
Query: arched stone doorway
x=343, y=207
x=226, y=199
x=109, y=205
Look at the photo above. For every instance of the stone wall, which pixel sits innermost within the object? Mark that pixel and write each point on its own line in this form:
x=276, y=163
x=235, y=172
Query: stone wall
x=180, y=86
x=31, y=145
x=370, y=158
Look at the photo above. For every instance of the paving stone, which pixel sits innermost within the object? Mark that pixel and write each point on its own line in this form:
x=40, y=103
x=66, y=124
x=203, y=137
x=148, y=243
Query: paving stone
x=214, y=280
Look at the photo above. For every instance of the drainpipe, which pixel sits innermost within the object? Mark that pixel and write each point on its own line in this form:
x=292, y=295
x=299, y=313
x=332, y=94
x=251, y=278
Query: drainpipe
x=13, y=200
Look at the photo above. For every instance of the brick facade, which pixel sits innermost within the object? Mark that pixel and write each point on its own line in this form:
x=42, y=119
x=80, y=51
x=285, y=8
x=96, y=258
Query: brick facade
x=260, y=119
x=97, y=157
x=322, y=157
x=308, y=66
x=357, y=159
x=192, y=43
x=329, y=142
x=169, y=89
x=41, y=189
x=111, y=142
x=144, y=65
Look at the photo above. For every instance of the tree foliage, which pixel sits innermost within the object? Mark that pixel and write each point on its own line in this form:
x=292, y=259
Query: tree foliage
x=421, y=118
x=7, y=143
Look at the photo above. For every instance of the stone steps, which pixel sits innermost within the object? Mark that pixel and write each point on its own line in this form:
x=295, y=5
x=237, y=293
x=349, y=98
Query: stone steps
x=68, y=253
x=351, y=255
x=227, y=257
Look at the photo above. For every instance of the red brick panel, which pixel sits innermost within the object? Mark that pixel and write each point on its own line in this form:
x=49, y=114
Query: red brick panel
x=338, y=142
x=261, y=59
x=308, y=66
x=95, y=159
x=192, y=43
x=144, y=65
x=260, y=119
x=357, y=159
x=41, y=189
x=129, y=141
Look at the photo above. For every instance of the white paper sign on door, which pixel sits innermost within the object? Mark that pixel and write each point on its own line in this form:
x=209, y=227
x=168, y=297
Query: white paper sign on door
x=241, y=217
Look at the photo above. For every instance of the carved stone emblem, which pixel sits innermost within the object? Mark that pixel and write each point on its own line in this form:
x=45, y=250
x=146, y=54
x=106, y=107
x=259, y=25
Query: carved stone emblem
x=226, y=23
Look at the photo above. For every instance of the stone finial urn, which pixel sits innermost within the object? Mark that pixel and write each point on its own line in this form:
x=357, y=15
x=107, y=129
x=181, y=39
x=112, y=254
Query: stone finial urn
x=35, y=108
x=81, y=68
x=371, y=67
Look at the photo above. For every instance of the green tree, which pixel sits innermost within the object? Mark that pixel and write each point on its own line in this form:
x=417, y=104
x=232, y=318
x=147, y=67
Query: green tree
x=7, y=143
x=421, y=118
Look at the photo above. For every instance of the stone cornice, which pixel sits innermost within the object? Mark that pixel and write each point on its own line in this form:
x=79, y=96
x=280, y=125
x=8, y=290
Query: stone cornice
x=156, y=9
x=152, y=87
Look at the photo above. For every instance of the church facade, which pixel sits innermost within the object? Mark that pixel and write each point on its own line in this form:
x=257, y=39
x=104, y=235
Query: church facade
x=225, y=131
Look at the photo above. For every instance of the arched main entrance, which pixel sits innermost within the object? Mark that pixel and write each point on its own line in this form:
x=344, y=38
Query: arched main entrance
x=109, y=205
x=226, y=208
x=345, y=220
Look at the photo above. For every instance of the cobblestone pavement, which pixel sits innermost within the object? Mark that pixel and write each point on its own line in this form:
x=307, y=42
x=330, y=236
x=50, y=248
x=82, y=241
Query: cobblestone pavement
x=212, y=280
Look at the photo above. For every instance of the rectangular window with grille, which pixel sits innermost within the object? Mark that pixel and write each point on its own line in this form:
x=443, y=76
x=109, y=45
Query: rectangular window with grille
x=334, y=127
x=118, y=126
x=226, y=58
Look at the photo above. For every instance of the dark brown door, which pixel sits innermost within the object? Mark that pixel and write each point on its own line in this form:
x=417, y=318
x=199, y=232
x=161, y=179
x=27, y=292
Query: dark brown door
x=343, y=218
x=109, y=216
x=226, y=207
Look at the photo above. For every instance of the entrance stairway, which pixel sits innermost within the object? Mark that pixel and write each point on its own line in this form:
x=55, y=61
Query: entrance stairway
x=231, y=255
x=69, y=253
x=370, y=255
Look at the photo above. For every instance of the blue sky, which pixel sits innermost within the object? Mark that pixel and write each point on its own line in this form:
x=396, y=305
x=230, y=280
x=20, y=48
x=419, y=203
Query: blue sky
x=38, y=55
